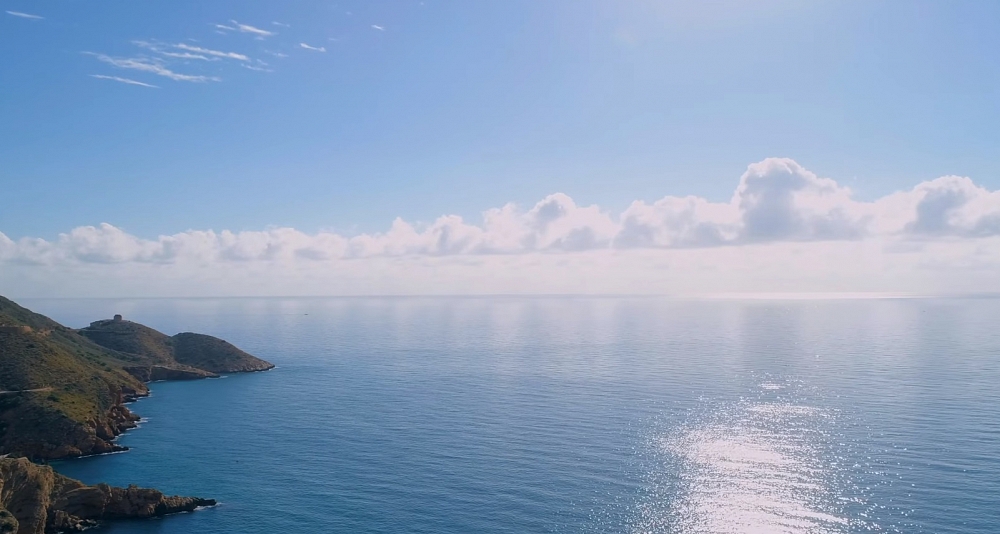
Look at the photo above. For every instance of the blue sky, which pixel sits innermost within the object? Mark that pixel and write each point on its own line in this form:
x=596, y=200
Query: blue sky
x=460, y=106
x=341, y=116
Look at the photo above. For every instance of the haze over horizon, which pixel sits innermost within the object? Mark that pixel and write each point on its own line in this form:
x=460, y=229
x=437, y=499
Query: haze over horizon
x=444, y=148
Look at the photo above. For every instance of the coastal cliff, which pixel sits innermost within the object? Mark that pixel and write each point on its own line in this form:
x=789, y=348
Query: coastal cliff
x=60, y=394
x=63, y=394
x=34, y=499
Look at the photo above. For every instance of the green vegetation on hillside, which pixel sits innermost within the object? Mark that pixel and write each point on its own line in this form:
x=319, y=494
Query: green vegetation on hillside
x=186, y=352
x=62, y=390
x=58, y=390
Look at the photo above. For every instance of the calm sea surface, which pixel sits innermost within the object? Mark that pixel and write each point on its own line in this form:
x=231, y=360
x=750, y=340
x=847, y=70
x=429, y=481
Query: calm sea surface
x=572, y=415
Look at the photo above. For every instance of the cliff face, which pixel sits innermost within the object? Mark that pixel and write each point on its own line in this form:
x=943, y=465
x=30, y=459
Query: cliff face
x=60, y=394
x=63, y=391
x=36, y=500
x=63, y=394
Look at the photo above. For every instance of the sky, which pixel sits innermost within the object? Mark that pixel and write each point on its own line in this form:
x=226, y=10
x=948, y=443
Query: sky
x=227, y=148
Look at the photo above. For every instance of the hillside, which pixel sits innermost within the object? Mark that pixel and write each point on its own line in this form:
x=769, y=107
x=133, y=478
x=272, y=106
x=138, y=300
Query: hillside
x=60, y=394
x=185, y=355
x=63, y=391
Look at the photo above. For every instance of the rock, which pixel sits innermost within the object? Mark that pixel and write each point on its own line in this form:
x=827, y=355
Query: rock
x=160, y=372
x=8, y=523
x=36, y=500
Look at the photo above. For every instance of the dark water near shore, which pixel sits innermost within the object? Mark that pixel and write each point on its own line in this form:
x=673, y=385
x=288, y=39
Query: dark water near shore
x=573, y=415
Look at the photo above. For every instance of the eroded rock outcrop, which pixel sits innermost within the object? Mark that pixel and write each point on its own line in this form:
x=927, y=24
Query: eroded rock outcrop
x=36, y=500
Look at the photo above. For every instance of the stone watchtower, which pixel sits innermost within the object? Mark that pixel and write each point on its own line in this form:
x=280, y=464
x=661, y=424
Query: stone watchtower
x=118, y=318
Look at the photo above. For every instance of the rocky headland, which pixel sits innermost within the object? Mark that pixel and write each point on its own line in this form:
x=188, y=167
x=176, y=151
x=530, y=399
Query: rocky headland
x=63, y=394
x=34, y=499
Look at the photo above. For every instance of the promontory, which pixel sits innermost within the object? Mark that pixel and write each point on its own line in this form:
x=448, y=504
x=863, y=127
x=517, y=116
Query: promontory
x=63, y=394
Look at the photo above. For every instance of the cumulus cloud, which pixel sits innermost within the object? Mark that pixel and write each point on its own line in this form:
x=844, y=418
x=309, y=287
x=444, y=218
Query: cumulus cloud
x=781, y=219
x=776, y=200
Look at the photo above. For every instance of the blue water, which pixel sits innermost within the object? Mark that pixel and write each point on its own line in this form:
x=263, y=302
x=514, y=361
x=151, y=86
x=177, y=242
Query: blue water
x=573, y=415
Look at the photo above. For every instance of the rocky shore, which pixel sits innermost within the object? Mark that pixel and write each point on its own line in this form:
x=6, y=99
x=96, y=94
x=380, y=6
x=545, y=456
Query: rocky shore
x=63, y=394
x=34, y=499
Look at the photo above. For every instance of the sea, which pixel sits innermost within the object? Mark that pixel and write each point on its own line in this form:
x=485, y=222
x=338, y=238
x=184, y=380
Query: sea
x=572, y=415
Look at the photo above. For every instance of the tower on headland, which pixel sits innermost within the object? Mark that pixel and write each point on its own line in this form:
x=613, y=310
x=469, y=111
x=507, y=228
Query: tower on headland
x=118, y=318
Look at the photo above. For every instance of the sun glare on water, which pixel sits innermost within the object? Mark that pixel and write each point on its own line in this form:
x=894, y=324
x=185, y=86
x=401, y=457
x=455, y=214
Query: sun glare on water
x=759, y=466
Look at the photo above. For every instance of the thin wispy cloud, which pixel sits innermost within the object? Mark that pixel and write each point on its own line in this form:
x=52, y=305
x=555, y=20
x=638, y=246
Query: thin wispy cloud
x=246, y=28
x=224, y=27
x=275, y=54
x=187, y=55
x=282, y=24
x=313, y=48
x=151, y=66
x=377, y=27
x=210, y=52
x=159, y=49
x=25, y=15
x=128, y=81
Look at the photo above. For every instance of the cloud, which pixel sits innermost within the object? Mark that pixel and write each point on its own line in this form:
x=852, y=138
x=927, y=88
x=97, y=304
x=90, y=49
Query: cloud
x=775, y=201
x=275, y=54
x=282, y=24
x=784, y=228
x=314, y=48
x=151, y=65
x=161, y=49
x=25, y=15
x=377, y=27
x=123, y=80
x=210, y=52
x=246, y=28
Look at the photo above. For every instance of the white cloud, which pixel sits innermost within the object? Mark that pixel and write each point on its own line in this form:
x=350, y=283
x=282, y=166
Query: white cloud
x=246, y=28
x=152, y=66
x=210, y=52
x=160, y=49
x=25, y=15
x=282, y=24
x=123, y=80
x=784, y=229
x=377, y=27
x=313, y=48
